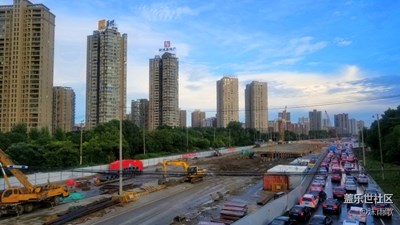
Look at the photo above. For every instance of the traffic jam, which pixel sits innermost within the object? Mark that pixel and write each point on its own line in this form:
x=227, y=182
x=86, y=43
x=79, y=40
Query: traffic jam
x=341, y=193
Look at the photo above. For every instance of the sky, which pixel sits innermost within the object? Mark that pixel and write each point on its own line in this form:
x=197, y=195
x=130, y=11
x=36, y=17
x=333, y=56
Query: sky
x=334, y=56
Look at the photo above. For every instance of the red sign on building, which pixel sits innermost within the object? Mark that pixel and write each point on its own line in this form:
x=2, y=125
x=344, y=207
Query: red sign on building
x=167, y=44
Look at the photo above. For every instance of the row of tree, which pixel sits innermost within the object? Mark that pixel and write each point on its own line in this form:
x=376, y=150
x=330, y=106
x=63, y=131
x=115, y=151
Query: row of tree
x=41, y=150
x=389, y=130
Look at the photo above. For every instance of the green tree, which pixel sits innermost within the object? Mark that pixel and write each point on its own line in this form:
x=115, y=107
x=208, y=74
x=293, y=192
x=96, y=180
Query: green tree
x=388, y=123
x=59, y=134
x=23, y=153
x=392, y=145
x=61, y=154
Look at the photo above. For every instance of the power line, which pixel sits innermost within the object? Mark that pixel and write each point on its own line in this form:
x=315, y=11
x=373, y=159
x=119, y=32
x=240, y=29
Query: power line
x=307, y=106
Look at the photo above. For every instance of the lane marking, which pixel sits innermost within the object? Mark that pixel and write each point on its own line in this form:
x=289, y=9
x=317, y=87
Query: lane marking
x=381, y=221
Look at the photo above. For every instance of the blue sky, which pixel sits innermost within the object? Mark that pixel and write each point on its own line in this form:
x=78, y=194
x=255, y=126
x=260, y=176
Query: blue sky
x=311, y=53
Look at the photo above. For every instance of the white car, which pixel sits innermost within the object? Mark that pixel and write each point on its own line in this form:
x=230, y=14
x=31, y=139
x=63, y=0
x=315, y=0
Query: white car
x=309, y=200
x=350, y=222
x=357, y=213
x=350, y=186
x=362, y=179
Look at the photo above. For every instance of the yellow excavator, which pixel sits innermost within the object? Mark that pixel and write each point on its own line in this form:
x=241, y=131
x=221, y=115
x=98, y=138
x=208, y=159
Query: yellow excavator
x=193, y=173
x=17, y=200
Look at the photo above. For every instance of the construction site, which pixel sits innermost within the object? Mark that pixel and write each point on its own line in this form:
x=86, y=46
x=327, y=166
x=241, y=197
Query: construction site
x=219, y=189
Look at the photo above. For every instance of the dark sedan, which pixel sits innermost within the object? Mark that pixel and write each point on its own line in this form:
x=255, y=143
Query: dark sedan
x=283, y=220
x=382, y=210
x=331, y=205
x=320, y=220
x=300, y=212
x=371, y=195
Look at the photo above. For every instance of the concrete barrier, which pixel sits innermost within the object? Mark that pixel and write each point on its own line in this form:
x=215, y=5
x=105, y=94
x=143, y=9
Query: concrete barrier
x=279, y=206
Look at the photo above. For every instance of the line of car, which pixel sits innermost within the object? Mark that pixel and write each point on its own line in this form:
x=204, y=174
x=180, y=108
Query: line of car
x=335, y=165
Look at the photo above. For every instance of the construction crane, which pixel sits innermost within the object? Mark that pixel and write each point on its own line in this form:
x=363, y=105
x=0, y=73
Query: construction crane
x=17, y=200
x=281, y=126
x=328, y=120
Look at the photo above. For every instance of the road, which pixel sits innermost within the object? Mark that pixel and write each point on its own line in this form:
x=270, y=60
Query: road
x=162, y=207
x=371, y=220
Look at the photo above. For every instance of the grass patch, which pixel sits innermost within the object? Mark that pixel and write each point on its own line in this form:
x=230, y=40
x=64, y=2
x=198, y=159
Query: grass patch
x=392, y=177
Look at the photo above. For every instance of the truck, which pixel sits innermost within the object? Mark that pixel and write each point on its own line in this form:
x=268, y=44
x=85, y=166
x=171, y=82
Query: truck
x=17, y=200
x=193, y=174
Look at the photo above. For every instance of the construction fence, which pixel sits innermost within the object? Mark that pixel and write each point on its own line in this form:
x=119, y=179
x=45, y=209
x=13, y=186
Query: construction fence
x=59, y=176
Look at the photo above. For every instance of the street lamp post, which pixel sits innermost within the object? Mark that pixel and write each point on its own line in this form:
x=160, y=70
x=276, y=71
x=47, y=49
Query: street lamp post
x=214, y=136
x=363, y=149
x=80, y=147
x=229, y=138
x=187, y=140
x=144, y=130
x=122, y=108
x=380, y=146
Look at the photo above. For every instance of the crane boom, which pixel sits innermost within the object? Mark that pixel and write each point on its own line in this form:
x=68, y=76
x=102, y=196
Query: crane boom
x=4, y=159
x=328, y=120
x=5, y=176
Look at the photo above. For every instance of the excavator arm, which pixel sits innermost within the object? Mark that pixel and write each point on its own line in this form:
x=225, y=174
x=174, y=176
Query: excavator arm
x=6, y=161
x=174, y=163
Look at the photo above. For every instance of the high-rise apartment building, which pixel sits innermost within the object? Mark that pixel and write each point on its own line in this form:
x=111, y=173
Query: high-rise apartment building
x=140, y=113
x=105, y=74
x=315, y=120
x=304, y=125
x=26, y=65
x=353, y=129
x=210, y=122
x=342, y=124
x=198, y=118
x=63, y=108
x=256, y=106
x=164, y=91
x=182, y=118
x=227, y=101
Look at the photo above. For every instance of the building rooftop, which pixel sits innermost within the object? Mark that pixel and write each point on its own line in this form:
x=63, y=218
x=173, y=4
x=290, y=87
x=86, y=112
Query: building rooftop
x=287, y=169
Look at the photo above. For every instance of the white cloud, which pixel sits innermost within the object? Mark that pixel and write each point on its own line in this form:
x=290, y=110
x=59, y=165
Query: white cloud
x=304, y=45
x=287, y=61
x=302, y=91
x=293, y=50
x=341, y=42
x=162, y=12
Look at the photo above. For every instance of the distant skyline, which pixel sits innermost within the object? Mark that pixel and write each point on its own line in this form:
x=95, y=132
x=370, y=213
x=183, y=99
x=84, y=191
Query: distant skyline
x=312, y=54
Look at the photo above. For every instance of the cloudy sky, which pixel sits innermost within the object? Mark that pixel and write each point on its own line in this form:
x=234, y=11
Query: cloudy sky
x=338, y=56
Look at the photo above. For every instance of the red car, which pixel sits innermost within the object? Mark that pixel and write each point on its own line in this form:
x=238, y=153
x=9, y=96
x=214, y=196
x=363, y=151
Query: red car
x=338, y=192
x=336, y=178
